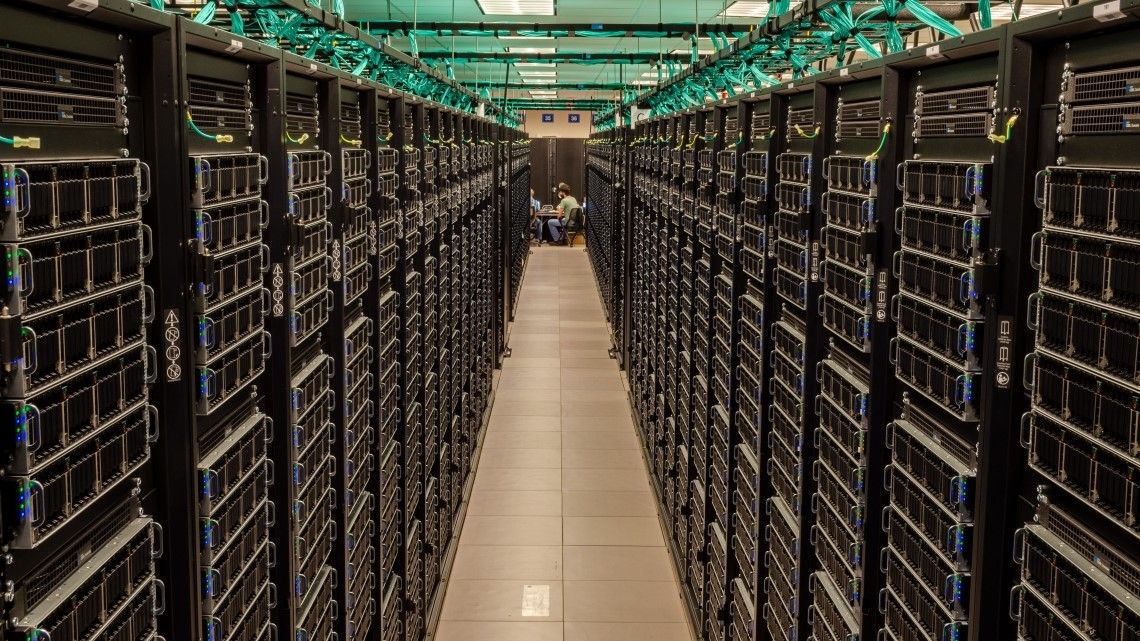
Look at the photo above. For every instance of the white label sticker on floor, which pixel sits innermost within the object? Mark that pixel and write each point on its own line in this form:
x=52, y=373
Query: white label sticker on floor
x=536, y=601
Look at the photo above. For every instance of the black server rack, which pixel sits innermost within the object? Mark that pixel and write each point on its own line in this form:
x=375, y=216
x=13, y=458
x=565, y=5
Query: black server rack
x=78, y=343
x=1078, y=557
x=888, y=292
x=514, y=157
x=853, y=373
x=942, y=311
x=256, y=203
x=721, y=153
x=794, y=355
x=606, y=193
x=752, y=440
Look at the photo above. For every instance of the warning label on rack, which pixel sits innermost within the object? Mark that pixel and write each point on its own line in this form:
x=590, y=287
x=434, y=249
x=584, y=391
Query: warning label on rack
x=882, y=298
x=1004, y=351
x=171, y=350
x=278, y=285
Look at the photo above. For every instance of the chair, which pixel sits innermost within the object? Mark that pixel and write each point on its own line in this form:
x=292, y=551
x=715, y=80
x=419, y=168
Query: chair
x=575, y=225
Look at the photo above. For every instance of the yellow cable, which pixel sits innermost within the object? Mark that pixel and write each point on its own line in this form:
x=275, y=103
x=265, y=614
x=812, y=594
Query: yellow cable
x=1001, y=140
x=882, y=142
x=800, y=131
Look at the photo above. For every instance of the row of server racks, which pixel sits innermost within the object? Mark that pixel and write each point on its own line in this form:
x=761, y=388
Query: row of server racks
x=884, y=340
x=605, y=189
x=251, y=313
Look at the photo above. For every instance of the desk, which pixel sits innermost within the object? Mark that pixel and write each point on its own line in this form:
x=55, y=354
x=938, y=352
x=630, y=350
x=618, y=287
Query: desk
x=544, y=216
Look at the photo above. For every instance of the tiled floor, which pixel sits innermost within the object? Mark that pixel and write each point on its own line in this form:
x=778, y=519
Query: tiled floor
x=562, y=541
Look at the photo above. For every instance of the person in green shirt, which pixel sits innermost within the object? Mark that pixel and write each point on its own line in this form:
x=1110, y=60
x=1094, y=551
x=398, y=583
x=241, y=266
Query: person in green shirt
x=566, y=204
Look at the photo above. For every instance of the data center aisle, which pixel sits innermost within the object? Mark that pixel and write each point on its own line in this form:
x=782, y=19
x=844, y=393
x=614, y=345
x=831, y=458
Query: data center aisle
x=561, y=541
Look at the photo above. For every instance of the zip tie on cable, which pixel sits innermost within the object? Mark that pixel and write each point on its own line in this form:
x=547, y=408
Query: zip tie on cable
x=882, y=142
x=218, y=138
x=1001, y=140
x=296, y=141
x=800, y=131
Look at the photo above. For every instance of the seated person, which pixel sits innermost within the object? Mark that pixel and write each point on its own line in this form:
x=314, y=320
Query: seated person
x=566, y=204
x=535, y=206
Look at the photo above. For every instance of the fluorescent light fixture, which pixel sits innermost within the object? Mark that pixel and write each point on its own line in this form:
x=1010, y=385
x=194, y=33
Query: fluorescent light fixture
x=535, y=72
x=752, y=9
x=543, y=92
x=645, y=83
x=529, y=80
x=704, y=48
x=517, y=7
x=531, y=50
x=526, y=37
x=1005, y=11
x=534, y=64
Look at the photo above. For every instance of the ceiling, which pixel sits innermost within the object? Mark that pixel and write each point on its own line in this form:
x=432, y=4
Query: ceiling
x=478, y=73
x=564, y=81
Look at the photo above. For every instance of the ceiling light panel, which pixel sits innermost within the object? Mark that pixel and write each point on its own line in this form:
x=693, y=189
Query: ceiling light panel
x=528, y=80
x=536, y=73
x=517, y=7
x=1005, y=11
x=531, y=50
x=751, y=9
x=534, y=64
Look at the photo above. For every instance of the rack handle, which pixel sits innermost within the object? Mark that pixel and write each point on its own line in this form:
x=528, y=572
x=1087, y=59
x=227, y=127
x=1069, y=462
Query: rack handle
x=31, y=349
x=1029, y=371
x=24, y=194
x=1036, y=250
x=37, y=506
x=263, y=169
x=1024, y=433
x=1040, y=182
x=146, y=237
x=150, y=365
x=205, y=176
x=32, y=420
x=159, y=597
x=152, y=423
x=144, y=182
x=157, y=545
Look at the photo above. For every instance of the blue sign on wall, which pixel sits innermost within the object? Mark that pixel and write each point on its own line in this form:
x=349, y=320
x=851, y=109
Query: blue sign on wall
x=575, y=118
x=547, y=117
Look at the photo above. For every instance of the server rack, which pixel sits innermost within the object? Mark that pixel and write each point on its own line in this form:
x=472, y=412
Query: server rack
x=854, y=374
x=606, y=167
x=1077, y=556
x=904, y=440
x=270, y=184
x=78, y=221
x=753, y=440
